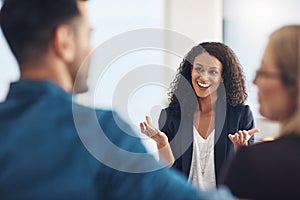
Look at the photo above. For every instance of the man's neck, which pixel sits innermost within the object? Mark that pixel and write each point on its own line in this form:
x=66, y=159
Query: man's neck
x=52, y=71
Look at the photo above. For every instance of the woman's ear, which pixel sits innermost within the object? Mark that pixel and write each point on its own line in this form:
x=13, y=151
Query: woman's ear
x=64, y=42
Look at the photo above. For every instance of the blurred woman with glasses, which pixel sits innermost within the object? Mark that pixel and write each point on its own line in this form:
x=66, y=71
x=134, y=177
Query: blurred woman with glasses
x=270, y=170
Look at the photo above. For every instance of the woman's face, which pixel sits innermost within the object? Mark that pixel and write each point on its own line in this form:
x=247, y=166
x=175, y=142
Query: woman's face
x=277, y=101
x=206, y=75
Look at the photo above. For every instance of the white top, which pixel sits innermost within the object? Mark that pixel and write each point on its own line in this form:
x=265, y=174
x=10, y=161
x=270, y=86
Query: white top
x=202, y=172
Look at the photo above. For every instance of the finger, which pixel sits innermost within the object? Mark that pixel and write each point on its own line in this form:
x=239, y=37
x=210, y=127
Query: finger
x=145, y=125
x=246, y=135
x=148, y=120
x=150, y=126
x=239, y=133
x=241, y=137
x=237, y=138
x=142, y=127
x=231, y=137
x=146, y=128
x=234, y=138
x=252, y=131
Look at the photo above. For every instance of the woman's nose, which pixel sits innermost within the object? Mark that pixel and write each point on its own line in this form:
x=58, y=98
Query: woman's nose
x=204, y=75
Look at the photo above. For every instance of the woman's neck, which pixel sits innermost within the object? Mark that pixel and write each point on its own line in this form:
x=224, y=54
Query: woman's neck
x=207, y=105
x=206, y=113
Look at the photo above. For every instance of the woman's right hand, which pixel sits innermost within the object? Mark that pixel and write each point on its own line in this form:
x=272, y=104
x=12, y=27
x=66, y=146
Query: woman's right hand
x=148, y=129
x=161, y=139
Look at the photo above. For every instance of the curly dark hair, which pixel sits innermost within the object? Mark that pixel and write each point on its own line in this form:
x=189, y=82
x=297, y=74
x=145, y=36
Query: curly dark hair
x=232, y=74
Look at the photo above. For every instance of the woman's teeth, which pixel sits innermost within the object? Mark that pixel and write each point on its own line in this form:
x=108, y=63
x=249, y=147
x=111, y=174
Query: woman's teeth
x=206, y=85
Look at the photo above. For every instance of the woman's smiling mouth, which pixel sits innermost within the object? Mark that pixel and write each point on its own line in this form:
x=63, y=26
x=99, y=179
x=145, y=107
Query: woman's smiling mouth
x=204, y=85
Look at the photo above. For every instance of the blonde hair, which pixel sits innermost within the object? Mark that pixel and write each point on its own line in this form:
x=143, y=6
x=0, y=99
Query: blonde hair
x=285, y=44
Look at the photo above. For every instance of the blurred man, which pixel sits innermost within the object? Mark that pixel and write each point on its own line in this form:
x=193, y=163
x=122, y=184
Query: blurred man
x=41, y=154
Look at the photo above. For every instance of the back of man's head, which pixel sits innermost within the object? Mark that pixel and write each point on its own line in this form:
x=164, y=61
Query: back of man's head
x=29, y=25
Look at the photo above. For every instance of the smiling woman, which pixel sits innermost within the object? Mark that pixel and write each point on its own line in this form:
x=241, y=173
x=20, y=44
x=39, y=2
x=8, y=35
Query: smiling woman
x=206, y=75
x=206, y=105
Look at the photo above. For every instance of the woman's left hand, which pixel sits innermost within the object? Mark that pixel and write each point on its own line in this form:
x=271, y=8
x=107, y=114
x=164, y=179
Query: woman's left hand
x=241, y=137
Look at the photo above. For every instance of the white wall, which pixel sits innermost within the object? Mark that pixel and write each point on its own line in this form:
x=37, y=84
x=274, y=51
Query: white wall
x=201, y=20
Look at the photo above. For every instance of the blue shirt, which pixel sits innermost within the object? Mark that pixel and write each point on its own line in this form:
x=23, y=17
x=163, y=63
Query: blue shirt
x=50, y=148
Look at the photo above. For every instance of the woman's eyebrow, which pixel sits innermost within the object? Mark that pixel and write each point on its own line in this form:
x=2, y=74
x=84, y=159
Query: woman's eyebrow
x=198, y=64
x=213, y=67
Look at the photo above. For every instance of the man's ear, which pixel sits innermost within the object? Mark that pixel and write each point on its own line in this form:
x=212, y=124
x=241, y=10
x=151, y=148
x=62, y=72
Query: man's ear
x=64, y=42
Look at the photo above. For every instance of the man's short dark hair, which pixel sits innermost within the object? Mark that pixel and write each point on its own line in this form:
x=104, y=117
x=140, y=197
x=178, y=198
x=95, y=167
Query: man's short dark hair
x=28, y=25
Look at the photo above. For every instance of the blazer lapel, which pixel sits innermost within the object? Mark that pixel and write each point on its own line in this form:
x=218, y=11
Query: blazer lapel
x=221, y=130
x=187, y=146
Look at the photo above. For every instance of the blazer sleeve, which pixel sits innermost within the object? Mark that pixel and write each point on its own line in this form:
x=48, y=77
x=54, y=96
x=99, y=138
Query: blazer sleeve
x=168, y=123
x=165, y=122
x=248, y=122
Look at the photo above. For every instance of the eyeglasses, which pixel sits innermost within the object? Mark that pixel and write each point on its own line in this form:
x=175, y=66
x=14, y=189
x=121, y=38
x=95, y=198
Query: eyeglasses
x=267, y=75
x=273, y=75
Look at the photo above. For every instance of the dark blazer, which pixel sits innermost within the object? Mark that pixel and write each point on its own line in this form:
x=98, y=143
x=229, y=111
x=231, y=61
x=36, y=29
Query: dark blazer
x=270, y=169
x=179, y=130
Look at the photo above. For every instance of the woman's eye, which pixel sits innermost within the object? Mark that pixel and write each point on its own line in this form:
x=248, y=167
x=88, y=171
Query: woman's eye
x=213, y=72
x=198, y=69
